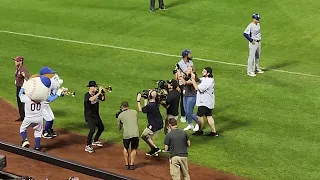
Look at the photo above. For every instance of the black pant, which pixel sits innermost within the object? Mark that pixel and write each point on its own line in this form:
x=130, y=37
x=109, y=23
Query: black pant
x=153, y=2
x=93, y=123
x=20, y=104
x=182, y=113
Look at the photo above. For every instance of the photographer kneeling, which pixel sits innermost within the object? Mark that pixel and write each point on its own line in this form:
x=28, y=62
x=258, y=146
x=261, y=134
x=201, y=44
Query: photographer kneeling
x=155, y=122
x=128, y=119
x=172, y=103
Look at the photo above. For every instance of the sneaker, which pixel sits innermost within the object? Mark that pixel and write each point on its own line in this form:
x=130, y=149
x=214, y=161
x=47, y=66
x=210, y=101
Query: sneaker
x=89, y=149
x=47, y=135
x=152, y=10
x=259, y=71
x=132, y=167
x=25, y=144
x=163, y=9
x=252, y=74
x=97, y=143
x=213, y=134
x=196, y=128
x=156, y=151
x=38, y=149
x=127, y=167
x=198, y=133
x=183, y=119
x=150, y=152
x=53, y=133
x=190, y=126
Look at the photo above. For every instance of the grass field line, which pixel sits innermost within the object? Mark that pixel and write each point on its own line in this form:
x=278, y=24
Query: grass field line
x=146, y=51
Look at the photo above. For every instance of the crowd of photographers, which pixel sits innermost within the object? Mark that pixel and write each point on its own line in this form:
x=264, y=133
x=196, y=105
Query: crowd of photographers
x=185, y=91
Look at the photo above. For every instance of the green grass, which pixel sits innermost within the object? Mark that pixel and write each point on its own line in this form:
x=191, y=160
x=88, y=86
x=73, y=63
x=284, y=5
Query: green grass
x=268, y=124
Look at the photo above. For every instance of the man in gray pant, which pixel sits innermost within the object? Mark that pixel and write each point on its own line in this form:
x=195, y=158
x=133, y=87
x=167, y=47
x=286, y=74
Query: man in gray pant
x=152, y=5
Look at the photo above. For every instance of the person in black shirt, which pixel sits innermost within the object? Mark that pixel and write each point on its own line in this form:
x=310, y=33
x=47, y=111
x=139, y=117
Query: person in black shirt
x=155, y=122
x=172, y=103
x=91, y=114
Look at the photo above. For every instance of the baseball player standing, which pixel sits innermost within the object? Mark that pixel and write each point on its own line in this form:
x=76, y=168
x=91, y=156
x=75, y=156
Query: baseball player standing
x=21, y=74
x=253, y=35
x=33, y=117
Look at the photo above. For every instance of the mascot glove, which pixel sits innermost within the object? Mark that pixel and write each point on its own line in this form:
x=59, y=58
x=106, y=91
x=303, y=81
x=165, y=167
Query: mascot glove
x=59, y=92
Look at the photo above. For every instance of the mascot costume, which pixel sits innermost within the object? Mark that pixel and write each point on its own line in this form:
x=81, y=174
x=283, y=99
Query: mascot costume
x=55, y=92
x=33, y=94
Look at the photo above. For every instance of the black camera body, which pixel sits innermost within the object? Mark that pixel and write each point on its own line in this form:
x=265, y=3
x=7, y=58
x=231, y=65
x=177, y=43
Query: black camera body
x=161, y=90
x=119, y=112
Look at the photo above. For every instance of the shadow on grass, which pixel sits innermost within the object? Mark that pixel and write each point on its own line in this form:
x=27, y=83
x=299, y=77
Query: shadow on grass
x=280, y=65
x=177, y=3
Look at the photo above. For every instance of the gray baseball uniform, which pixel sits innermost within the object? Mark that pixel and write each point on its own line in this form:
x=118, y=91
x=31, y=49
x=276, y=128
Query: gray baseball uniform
x=254, y=32
x=33, y=116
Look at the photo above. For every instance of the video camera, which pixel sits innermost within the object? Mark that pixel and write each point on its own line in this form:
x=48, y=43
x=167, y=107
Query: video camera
x=161, y=89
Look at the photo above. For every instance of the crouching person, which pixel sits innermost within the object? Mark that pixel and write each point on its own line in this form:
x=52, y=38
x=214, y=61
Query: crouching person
x=177, y=143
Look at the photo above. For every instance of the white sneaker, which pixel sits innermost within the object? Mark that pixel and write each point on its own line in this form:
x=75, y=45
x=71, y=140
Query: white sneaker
x=183, y=119
x=251, y=74
x=190, y=126
x=89, y=149
x=196, y=128
x=97, y=143
x=259, y=71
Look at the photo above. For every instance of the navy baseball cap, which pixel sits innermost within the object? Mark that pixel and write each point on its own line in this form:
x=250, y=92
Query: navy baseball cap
x=256, y=17
x=45, y=81
x=46, y=70
x=185, y=52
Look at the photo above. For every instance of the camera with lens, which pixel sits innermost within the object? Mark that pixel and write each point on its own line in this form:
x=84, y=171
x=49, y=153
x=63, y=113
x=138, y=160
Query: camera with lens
x=161, y=91
x=103, y=91
x=119, y=112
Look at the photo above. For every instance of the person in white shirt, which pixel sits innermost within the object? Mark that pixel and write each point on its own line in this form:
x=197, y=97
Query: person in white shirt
x=205, y=100
x=253, y=34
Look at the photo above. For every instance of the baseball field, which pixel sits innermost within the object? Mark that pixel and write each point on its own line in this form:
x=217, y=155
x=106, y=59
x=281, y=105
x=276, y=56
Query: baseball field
x=268, y=124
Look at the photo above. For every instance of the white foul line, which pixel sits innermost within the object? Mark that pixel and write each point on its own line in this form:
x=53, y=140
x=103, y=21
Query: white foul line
x=145, y=51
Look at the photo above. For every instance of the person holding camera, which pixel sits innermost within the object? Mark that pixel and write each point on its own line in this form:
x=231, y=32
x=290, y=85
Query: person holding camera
x=189, y=98
x=91, y=114
x=172, y=103
x=182, y=67
x=205, y=100
x=155, y=121
x=177, y=143
x=128, y=119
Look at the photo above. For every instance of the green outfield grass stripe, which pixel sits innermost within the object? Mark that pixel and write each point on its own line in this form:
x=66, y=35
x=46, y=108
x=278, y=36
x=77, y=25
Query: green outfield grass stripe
x=149, y=52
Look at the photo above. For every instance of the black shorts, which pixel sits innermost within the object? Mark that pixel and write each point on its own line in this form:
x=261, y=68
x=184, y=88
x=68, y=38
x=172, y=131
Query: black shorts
x=204, y=111
x=133, y=141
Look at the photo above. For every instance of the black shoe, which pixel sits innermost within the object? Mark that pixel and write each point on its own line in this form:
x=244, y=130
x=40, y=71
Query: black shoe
x=213, y=134
x=163, y=8
x=53, y=133
x=198, y=133
x=132, y=167
x=38, y=149
x=154, y=152
x=25, y=144
x=152, y=10
x=47, y=135
x=127, y=167
x=150, y=152
x=19, y=119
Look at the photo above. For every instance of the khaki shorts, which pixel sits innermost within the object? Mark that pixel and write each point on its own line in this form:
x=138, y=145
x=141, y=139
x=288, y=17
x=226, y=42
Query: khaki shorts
x=150, y=134
x=179, y=165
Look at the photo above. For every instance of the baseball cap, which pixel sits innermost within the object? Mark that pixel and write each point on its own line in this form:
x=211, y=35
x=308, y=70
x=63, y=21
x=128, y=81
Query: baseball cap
x=185, y=52
x=256, y=16
x=18, y=58
x=173, y=82
x=46, y=81
x=46, y=70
